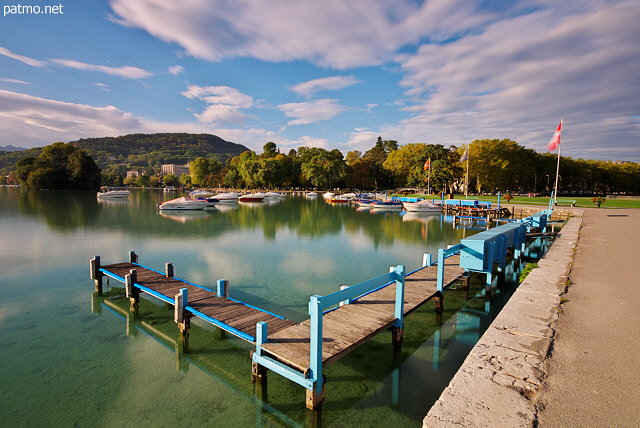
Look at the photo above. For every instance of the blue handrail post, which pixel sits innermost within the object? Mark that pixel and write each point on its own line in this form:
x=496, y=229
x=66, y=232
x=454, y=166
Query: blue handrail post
x=440, y=279
x=180, y=315
x=397, y=331
x=498, y=201
x=258, y=371
x=315, y=395
x=223, y=288
x=439, y=297
x=426, y=260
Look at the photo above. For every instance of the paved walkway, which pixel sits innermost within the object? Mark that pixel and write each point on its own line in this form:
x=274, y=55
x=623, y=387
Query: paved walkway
x=594, y=369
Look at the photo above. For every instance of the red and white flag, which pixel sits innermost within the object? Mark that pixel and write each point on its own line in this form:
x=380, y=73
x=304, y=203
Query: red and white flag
x=427, y=164
x=555, y=140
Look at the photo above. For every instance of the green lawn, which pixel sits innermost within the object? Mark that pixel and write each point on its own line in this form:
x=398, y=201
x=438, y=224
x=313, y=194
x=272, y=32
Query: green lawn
x=583, y=202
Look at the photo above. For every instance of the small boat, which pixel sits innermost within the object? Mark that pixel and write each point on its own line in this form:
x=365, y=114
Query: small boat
x=227, y=198
x=169, y=189
x=328, y=195
x=105, y=193
x=184, y=203
x=386, y=205
x=422, y=206
x=339, y=200
x=252, y=197
x=201, y=193
x=273, y=195
x=311, y=195
x=364, y=203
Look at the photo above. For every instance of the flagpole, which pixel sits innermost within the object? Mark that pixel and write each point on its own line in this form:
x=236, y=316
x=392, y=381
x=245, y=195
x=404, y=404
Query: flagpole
x=429, y=179
x=555, y=193
x=466, y=180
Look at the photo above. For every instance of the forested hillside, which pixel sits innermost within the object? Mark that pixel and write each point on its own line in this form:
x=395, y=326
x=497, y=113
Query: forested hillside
x=153, y=150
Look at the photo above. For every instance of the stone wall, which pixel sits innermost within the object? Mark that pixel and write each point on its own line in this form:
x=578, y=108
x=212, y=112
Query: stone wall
x=498, y=381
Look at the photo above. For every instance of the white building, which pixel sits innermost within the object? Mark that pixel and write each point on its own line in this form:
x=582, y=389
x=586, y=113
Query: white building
x=176, y=170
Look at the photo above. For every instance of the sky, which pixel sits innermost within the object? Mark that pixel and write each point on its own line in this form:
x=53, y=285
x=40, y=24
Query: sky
x=334, y=74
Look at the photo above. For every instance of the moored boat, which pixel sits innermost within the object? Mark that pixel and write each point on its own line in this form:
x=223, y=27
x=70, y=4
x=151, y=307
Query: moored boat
x=328, y=195
x=227, y=198
x=386, y=205
x=422, y=206
x=252, y=197
x=184, y=203
x=273, y=195
x=311, y=195
x=201, y=193
x=114, y=193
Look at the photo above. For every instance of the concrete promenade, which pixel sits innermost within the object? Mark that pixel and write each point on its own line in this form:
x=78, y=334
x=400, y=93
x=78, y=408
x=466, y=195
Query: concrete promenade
x=593, y=374
x=565, y=350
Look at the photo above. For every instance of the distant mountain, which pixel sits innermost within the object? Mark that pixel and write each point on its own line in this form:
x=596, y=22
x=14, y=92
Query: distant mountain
x=11, y=148
x=154, y=149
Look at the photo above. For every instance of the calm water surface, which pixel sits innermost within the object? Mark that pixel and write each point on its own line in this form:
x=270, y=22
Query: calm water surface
x=72, y=358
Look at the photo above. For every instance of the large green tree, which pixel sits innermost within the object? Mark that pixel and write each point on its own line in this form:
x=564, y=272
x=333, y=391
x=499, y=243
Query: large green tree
x=60, y=166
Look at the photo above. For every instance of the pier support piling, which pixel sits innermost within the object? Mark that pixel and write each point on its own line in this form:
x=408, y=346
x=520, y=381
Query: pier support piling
x=397, y=336
x=314, y=399
x=132, y=293
x=94, y=269
x=439, y=302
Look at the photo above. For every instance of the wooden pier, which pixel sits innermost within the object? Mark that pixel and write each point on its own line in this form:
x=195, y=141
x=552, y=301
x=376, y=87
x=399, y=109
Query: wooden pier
x=350, y=325
x=215, y=307
x=338, y=322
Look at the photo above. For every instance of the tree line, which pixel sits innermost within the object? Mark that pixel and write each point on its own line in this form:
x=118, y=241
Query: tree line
x=494, y=165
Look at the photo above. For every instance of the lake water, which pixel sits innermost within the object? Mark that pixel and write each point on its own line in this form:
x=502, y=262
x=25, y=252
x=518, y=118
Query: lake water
x=72, y=358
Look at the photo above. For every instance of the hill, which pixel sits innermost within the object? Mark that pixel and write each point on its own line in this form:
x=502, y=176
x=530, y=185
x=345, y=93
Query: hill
x=152, y=150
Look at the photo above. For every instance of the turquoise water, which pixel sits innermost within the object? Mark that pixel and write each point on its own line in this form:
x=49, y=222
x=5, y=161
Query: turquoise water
x=72, y=358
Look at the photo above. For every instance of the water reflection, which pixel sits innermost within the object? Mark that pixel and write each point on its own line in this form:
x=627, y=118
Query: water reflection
x=375, y=382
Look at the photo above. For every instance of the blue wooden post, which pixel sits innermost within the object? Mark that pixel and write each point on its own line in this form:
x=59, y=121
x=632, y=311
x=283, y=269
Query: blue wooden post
x=180, y=316
x=397, y=331
x=440, y=280
x=315, y=395
x=498, y=201
x=223, y=288
x=346, y=301
x=259, y=372
x=400, y=279
x=426, y=260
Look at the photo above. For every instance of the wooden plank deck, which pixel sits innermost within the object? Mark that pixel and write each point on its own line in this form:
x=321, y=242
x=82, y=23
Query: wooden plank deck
x=348, y=326
x=234, y=314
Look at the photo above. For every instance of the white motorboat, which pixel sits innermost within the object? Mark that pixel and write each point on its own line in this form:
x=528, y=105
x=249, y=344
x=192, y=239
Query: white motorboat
x=252, y=197
x=201, y=194
x=273, y=195
x=227, y=198
x=184, y=203
x=113, y=194
x=311, y=195
x=328, y=195
x=422, y=206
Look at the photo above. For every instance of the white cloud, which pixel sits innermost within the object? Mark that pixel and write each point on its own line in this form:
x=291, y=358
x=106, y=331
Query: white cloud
x=31, y=121
x=126, y=72
x=312, y=111
x=519, y=76
x=29, y=61
x=102, y=86
x=224, y=103
x=331, y=33
x=333, y=83
x=176, y=69
x=3, y=79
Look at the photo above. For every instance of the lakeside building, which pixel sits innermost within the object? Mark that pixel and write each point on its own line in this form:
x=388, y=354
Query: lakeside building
x=176, y=170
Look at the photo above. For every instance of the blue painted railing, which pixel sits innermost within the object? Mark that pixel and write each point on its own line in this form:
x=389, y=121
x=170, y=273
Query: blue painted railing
x=312, y=378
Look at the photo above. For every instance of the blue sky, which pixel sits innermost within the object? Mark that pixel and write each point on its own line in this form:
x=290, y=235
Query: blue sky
x=331, y=74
